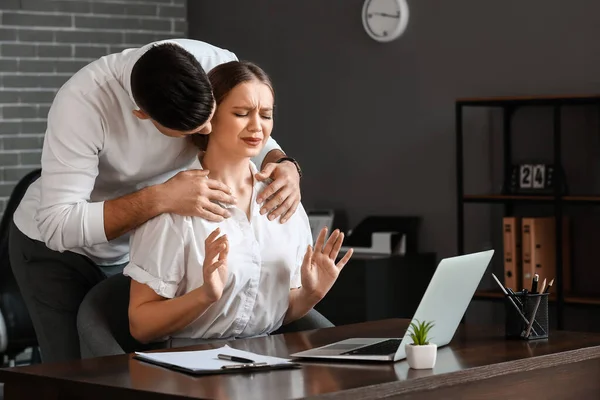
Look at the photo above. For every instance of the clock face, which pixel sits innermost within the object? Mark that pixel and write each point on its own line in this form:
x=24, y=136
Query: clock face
x=385, y=20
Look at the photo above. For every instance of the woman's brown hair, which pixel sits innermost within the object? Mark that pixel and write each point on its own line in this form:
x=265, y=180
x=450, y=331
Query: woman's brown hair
x=223, y=78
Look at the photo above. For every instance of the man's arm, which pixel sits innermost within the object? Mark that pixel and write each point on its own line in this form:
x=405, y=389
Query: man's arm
x=74, y=139
x=67, y=219
x=272, y=157
x=189, y=193
x=270, y=152
x=128, y=212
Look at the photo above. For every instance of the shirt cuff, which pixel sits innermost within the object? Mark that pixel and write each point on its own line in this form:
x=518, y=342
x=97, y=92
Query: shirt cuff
x=162, y=288
x=260, y=157
x=95, y=217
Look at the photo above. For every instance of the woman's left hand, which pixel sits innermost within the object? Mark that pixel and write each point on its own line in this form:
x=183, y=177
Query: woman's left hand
x=319, y=270
x=283, y=194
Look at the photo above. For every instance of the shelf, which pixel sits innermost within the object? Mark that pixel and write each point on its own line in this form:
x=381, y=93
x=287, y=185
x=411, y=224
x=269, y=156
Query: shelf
x=487, y=294
x=500, y=198
x=569, y=299
x=503, y=199
x=529, y=100
x=497, y=295
x=581, y=199
x=582, y=300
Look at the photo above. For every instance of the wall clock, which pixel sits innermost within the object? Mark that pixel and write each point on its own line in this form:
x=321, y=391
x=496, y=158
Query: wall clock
x=385, y=20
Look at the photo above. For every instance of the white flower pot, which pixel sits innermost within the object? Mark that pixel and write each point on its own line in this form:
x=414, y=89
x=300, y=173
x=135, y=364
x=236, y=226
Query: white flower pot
x=421, y=357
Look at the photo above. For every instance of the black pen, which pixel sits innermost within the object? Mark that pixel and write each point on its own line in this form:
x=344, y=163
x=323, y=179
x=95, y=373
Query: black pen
x=235, y=359
x=534, y=283
x=242, y=366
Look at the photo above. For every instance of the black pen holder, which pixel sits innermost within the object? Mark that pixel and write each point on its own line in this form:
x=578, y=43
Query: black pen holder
x=526, y=306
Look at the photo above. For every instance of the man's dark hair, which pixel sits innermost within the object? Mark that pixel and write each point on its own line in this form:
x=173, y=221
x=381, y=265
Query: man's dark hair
x=169, y=85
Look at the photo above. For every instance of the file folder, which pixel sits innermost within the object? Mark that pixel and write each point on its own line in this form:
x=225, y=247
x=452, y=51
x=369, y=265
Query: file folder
x=539, y=250
x=512, y=252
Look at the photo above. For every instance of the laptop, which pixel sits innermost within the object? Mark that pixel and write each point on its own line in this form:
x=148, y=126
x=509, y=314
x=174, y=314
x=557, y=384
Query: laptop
x=445, y=302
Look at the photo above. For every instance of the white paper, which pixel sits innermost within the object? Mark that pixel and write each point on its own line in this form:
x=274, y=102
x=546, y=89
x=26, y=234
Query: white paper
x=206, y=360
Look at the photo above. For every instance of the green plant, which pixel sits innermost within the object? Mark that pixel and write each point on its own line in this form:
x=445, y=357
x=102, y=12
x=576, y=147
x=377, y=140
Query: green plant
x=419, y=331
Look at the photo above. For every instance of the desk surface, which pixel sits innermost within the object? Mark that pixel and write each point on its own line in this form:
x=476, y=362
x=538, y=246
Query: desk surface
x=476, y=353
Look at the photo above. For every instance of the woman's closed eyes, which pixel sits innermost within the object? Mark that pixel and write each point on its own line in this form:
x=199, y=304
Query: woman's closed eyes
x=245, y=115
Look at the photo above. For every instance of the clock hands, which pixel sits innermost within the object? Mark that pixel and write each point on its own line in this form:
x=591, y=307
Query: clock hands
x=382, y=14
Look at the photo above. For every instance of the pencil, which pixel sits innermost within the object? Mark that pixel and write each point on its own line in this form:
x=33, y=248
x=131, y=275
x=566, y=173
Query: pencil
x=549, y=286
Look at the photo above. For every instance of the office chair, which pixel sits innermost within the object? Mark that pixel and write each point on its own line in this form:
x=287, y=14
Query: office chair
x=16, y=329
x=103, y=321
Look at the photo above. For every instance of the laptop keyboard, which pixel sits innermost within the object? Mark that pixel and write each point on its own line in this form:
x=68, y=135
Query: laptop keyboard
x=378, y=349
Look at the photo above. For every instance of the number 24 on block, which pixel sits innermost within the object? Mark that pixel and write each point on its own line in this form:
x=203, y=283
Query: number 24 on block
x=532, y=176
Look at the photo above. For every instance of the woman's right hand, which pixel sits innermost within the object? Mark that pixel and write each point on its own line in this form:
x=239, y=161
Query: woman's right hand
x=192, y=193
x=214, y=270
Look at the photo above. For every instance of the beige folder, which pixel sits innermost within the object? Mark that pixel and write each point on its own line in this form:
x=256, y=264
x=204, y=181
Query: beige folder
x=539, y=250
x=512, y=252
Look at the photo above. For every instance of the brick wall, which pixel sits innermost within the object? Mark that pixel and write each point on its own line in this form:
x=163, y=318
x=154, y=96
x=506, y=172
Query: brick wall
x=43, y=42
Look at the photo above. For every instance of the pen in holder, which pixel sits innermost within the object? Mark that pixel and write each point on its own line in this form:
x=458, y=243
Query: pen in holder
x=527, y=316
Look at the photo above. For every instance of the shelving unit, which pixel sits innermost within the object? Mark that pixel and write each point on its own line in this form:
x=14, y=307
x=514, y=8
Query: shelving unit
x=508, y=105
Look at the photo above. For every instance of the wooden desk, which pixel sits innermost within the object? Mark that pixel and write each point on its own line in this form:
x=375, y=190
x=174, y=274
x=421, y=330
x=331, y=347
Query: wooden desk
x=477, y=364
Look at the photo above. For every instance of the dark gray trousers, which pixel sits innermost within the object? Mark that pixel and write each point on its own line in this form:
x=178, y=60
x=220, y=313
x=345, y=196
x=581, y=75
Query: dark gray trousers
x=53, y=285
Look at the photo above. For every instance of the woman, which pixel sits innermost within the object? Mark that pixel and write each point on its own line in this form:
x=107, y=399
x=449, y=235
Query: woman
x=244, y=276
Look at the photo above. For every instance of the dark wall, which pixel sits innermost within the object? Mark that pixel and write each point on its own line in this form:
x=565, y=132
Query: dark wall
x=373, y=124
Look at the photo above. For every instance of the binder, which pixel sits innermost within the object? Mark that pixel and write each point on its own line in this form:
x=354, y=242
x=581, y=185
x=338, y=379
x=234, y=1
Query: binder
x=539, y=252
x=511, y=227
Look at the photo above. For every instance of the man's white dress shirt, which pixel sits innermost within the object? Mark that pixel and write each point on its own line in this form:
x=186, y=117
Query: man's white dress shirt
x=95, y=149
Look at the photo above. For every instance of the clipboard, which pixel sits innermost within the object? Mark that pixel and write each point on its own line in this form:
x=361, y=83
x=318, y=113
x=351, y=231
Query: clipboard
x=233, y=369
x=207, y=362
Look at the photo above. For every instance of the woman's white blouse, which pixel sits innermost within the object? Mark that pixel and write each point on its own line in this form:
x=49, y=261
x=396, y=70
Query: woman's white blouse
x=167, y=254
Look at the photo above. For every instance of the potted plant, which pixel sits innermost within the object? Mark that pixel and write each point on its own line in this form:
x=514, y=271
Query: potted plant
x=421, y=354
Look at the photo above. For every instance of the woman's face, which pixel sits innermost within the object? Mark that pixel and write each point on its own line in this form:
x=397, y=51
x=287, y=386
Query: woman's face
x=244, y=120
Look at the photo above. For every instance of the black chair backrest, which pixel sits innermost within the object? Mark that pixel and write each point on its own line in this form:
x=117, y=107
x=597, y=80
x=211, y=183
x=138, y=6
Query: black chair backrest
x=18, y=323
x=12, y=204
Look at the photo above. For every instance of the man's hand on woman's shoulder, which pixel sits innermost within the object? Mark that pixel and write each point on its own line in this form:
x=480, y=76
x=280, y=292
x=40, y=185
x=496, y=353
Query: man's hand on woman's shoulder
x=193, y=193
x=282, y=196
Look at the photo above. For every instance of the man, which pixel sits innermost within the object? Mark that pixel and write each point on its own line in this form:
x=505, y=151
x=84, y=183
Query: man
x=115, y=155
